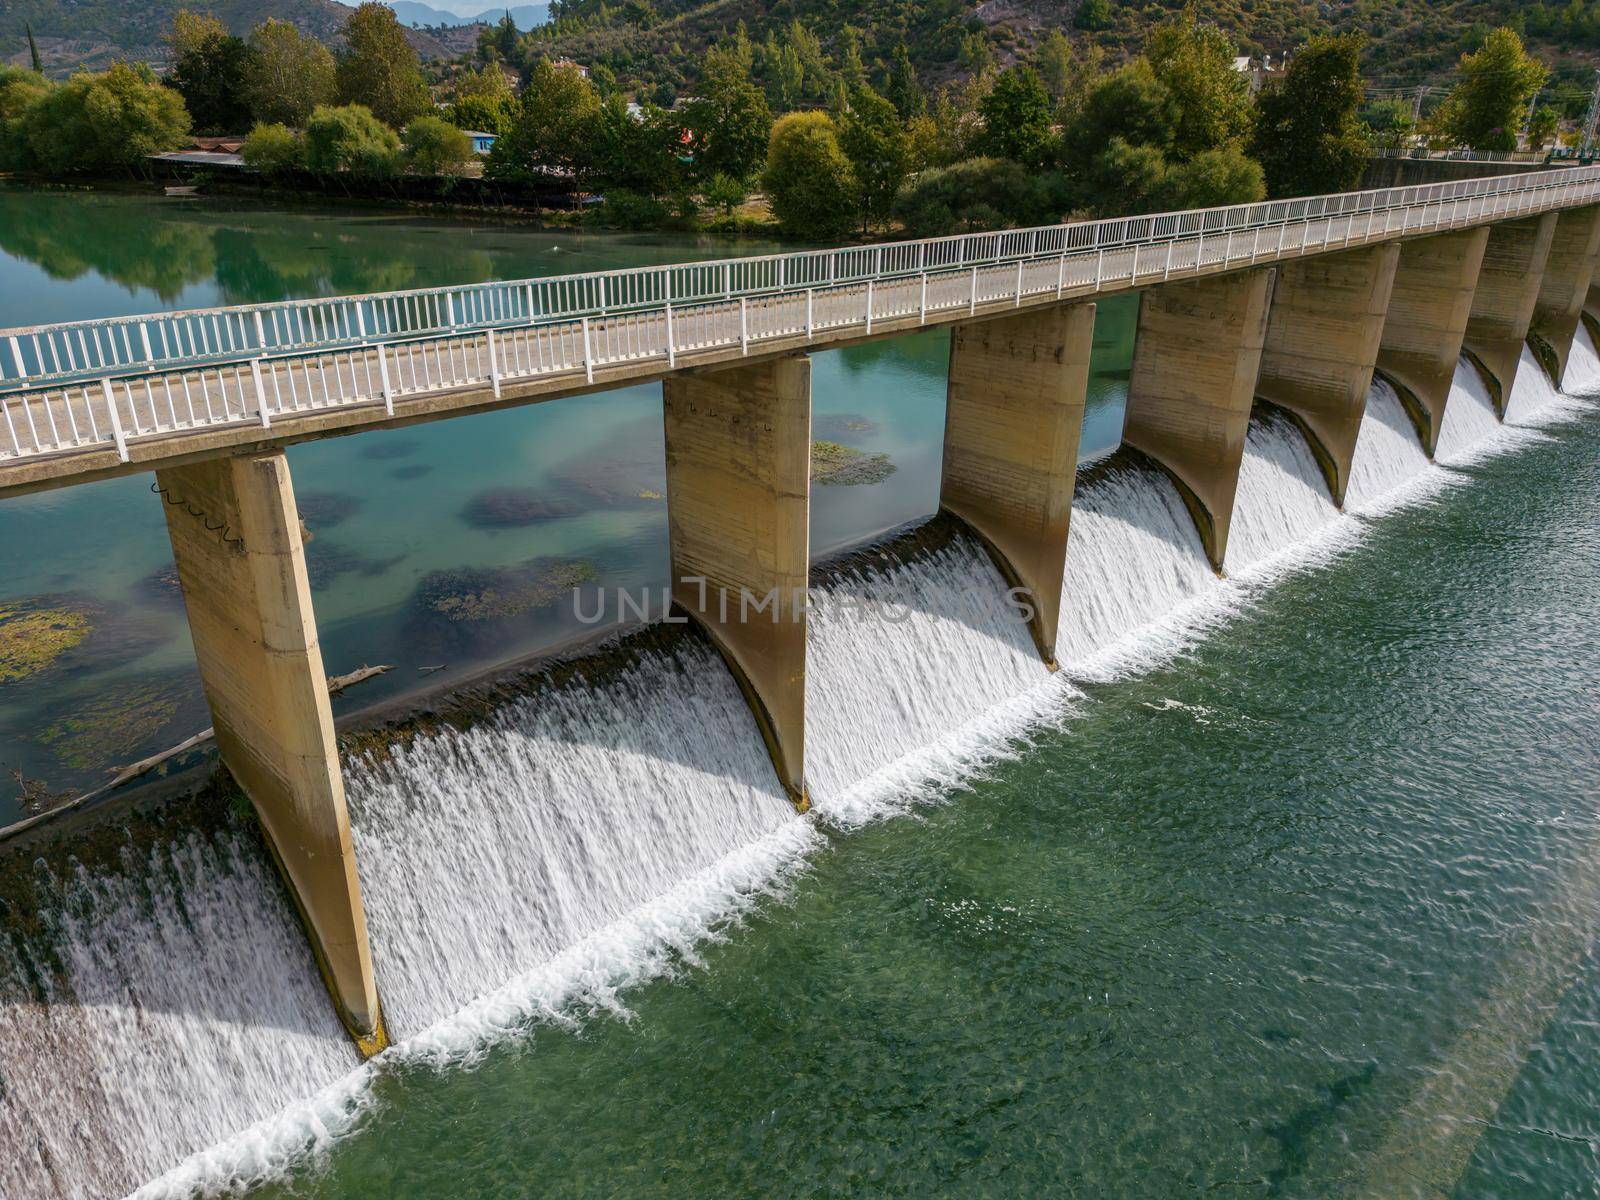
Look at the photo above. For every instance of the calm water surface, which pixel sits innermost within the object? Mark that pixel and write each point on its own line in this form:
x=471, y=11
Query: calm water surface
x=402, y=519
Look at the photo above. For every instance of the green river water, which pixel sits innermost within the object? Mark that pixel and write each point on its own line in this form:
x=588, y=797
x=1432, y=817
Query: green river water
x=1308, y=910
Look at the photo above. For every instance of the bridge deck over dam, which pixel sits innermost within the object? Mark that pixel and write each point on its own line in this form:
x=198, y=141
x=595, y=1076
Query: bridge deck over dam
x=90, y=399
x=1293, y=305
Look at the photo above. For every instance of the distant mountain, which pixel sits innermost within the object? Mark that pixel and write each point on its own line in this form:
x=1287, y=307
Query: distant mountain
x=95, y=33
x=411, y=12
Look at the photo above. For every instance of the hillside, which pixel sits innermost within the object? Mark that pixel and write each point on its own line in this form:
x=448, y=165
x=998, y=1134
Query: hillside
x=94, y=33
x=1412, y=41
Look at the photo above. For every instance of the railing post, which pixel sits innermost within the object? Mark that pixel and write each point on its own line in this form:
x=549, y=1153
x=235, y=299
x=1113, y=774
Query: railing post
x=1061, y=274
x=727, y=281
x=16, y=357
x=527, y=290
x=1255, y=244
x=869, y=305
x=922, y=304
x=1099, y=266
x=261, y=393
x=144, y=342
x=494, y=365
x=1018, y=302
x=1200, y=253
x=261, y=333
x=1133, y=274
x=383, y=379
x=116, y=421
x=672, y=352
x=744, y=326
x=972, y=301
x=450, y=308
x=809, y=325
x=361, y=323
x=588, y=352
x=1166, y=271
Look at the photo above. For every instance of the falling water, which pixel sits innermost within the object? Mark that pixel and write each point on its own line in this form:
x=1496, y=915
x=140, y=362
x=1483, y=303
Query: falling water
x=906, y=657
x=164, y=1001
x=1133, y=558
x=1282, y=499
x=487, y=851
x=1389, y=453
x=1583, y=364
x=1532, y=390
x=1469, y=419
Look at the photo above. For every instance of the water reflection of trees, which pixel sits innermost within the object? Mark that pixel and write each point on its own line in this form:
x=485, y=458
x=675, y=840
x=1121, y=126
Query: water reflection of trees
x=252, y=256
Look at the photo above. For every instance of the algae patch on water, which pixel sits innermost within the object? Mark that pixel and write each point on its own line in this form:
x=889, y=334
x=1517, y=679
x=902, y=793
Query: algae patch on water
x=833, y=463
x=487, y=594
x=114, y=724
x=34, y=633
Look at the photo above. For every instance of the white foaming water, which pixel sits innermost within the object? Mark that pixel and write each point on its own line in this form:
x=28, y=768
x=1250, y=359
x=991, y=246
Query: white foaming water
x=1532, y=390
x=1389, y=454
x=1583, y=365
x=183, y=1006
x=1469, y=420
x=487, y=852
x=1282, y=499
x=1134, y=558
x=905, y=669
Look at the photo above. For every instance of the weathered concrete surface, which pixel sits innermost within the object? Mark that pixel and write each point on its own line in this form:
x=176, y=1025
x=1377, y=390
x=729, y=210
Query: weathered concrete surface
x=237, y=540
x=738, y=512
x=1194, y=379
x=1568, y=272
x=1013, y=416
x=1502, y=308
x=1429, y=307
x=1322, y=343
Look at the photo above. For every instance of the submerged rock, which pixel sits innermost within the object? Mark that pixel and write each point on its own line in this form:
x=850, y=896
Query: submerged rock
x=324, y=510
x=390, y=447
x=834, y=464
x=510, y=507
x=328, y=561
x=36, y=631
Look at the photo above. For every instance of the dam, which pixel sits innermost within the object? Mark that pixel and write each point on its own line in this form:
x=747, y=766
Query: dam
x=471, y=873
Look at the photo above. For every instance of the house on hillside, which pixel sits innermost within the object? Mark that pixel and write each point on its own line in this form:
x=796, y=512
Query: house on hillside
x=482, y=142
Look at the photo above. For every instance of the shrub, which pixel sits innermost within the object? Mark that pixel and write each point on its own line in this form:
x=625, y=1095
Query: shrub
x=95, y=122
x=351, y=139
x=271, y=148
x=977, y=193
x=808, y=178
x=436, y=147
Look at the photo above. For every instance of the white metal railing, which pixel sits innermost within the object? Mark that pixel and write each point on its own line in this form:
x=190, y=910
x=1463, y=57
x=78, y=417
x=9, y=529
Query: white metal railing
x=820, y=293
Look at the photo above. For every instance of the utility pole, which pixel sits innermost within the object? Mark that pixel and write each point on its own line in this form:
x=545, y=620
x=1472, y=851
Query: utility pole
x=1586, y=146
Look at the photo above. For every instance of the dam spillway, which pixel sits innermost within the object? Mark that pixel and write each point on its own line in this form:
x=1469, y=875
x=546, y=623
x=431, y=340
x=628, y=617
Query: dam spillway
x=493, y=887
x=492, y=859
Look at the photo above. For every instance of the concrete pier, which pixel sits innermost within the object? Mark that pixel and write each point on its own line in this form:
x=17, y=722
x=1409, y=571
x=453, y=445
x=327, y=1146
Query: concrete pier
x=237, y=540
x=738, y=510
x=1013, y=416
x=1195, y=365
x=1508, y=290
x=1429, y=306
x=1322, y=343
x=1568, y=273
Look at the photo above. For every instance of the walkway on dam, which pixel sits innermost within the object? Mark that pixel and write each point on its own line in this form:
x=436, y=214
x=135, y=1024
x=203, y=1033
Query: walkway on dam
x=90, y=399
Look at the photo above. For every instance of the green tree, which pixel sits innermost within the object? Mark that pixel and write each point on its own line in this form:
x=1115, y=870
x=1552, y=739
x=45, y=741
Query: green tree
x=33, y=51
x=729, y=118
x=1016, y=118
x=1054, y=60
x=433, y=146
x=636, y=156
x=208, y=70
x=484, y=115
x=1542, y=127
x=271, y=148
x=1212, y=179
x=905, y=91
x=976, y=194
x=98, y=122
x=378, y=69
x=351, y=139
x=975, y=53
x=726, y=193
x=1211, y=101
x=552, y=130
x=1388, y=124
x=19, y=91
x=875, y=144
x=288, y=74
x=1308, y=137
x=1485, y=109
x=1093, y=15
x=807, y=178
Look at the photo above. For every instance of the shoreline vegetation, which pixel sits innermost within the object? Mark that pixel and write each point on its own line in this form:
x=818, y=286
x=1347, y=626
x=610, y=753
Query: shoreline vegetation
x=789, y=139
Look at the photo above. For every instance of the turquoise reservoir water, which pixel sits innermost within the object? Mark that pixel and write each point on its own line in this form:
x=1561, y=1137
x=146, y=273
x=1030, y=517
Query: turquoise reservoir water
x=1295, y=896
